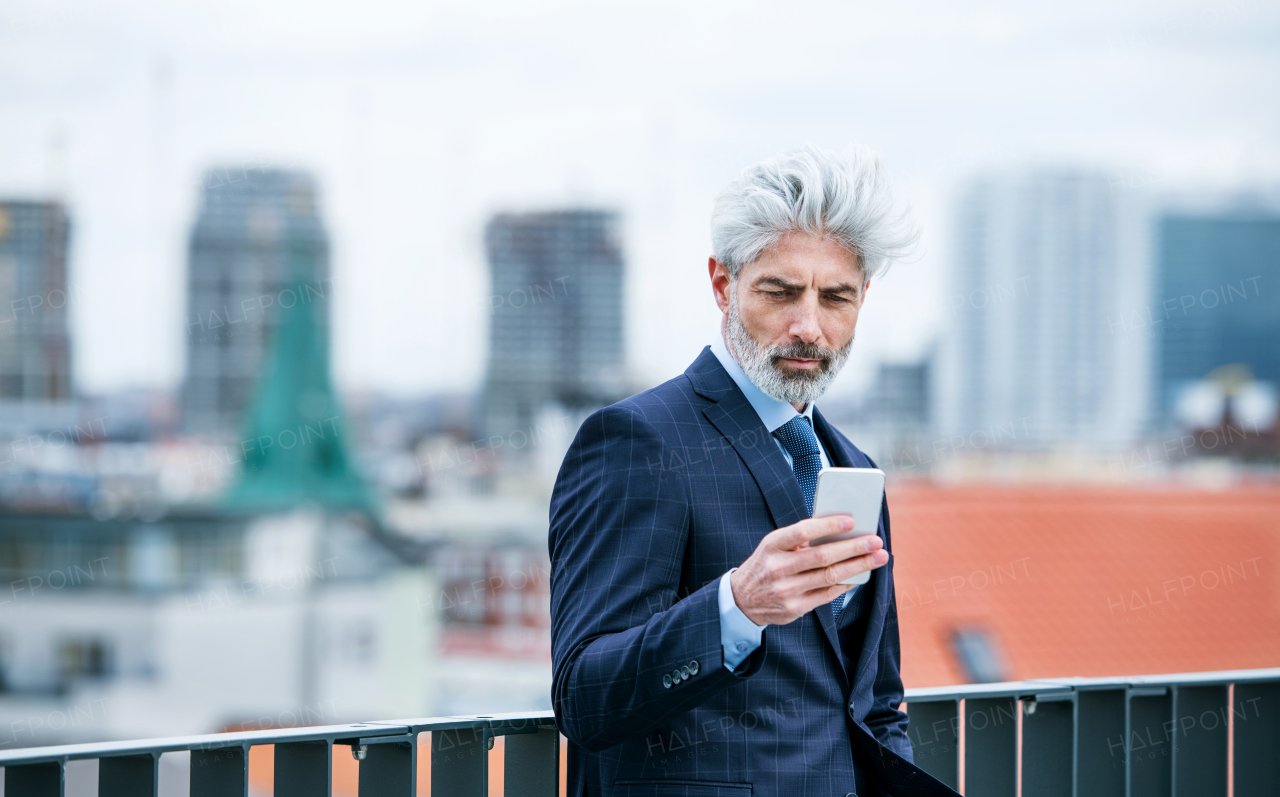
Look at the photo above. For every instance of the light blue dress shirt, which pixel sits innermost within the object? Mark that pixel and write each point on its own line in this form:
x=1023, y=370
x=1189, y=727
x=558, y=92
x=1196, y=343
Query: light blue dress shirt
x=739, y=637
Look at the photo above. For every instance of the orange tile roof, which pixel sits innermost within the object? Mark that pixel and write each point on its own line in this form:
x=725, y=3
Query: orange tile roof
x=1087, y=581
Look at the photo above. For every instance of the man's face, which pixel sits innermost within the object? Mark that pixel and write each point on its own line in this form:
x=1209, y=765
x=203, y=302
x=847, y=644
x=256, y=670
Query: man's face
x=795, y=308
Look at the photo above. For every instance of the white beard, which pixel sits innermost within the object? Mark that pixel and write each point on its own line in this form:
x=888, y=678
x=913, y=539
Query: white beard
x=759, y=362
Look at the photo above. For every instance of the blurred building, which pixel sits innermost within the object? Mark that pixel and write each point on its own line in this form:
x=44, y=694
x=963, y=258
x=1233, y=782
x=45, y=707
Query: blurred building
x=893, y=420
x=258, y=246
x=1048, y=265
x=899, y=398
x=556, y=315
x=197, y=621
x=295, y=451
x=35, y=345
x=289, y=603
x=1217, y=301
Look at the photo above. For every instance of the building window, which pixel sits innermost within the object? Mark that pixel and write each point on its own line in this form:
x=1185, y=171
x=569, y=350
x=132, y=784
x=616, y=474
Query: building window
x=83, y=658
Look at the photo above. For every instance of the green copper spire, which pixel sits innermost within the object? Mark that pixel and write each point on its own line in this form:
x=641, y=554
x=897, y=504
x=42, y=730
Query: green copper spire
x=293, y=445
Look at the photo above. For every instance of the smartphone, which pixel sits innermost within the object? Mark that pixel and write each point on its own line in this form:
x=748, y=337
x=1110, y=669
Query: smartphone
x=858, y=492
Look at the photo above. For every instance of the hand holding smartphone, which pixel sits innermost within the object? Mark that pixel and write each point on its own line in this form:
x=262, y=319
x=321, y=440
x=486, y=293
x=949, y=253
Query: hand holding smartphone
x=858, y=492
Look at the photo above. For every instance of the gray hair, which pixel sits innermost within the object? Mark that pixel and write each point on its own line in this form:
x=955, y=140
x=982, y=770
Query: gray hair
x=847, y=197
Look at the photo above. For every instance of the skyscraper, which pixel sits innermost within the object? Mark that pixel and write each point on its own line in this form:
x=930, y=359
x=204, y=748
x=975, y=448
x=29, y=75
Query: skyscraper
x=258, y=246
x=1218, y=298
x=1035, y=349
x=35, y=346
x=555, y=315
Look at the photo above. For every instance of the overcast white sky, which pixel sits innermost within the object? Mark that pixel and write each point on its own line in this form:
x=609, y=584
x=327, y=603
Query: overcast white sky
x=422, y=118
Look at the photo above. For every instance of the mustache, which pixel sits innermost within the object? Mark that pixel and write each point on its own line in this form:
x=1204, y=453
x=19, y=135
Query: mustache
x=803, y=351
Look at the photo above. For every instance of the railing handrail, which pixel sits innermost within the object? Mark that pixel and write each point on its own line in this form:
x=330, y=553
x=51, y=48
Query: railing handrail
x=1049, y=685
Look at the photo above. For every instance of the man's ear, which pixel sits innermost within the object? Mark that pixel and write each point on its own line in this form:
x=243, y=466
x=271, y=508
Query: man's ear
x=866, y=286
x=721, y=284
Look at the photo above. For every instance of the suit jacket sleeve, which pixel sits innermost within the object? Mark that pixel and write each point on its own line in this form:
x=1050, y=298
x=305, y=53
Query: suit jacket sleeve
x=619, y=623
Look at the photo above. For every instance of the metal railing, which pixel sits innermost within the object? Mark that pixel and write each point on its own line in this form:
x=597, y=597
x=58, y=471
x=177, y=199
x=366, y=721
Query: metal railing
x=1185, y=735
x=387, y=752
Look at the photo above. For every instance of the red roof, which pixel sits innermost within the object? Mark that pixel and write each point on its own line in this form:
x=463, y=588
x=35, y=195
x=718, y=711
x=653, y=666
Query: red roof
x=1087, y=581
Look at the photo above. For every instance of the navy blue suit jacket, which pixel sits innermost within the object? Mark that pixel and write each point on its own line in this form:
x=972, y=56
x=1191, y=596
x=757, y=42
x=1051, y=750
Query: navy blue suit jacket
x=659, y=495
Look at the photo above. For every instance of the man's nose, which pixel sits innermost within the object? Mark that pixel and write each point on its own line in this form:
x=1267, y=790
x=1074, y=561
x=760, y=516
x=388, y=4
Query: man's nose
x=804, y=324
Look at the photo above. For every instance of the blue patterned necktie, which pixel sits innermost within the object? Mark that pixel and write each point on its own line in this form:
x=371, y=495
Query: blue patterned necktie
x=796, y=435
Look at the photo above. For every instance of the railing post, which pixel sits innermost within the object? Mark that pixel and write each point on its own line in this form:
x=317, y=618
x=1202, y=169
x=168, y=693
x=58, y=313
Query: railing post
x=531, y=764
x=35, y=780
x=933, y=726
x=220, y=772
x=389, y=769
x=128, y=776
x=1101, y=746
x=1256, y=718
x=1048, y=746
x=460, y=761
x=1149, y=735
x=1200, y=741
x=990, y=747
x=303, y=769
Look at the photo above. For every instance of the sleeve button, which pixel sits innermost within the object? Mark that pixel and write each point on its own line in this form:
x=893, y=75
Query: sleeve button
x=693, y=667
x=675, y=676
x=666, y=681
x=685, y=672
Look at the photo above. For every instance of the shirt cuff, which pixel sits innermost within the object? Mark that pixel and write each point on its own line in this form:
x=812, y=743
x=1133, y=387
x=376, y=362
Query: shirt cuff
x=739, y=637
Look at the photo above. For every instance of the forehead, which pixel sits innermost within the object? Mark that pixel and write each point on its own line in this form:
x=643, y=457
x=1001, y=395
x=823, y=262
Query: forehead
x=806, y=258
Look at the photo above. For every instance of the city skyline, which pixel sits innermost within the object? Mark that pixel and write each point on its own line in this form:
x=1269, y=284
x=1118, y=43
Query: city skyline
x=419, y=134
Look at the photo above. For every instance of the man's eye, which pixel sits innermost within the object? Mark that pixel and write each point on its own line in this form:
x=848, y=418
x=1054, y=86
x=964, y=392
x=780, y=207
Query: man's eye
x=777, y=294
x=836, y=298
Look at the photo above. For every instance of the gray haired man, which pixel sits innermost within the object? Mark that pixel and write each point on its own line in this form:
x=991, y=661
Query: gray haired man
x=700, y=645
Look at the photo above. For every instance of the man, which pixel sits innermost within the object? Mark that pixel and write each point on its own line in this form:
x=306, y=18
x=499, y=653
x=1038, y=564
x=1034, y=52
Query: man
x=700, y=645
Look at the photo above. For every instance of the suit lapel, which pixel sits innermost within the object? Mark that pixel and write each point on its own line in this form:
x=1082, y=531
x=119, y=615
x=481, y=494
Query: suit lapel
x=735, y=418
x=879, y=583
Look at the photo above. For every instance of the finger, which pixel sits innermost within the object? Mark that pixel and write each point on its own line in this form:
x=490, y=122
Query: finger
x=817, y=597
x=790, y=537
x=834, y=574
x=816, y=557
x=819, y=556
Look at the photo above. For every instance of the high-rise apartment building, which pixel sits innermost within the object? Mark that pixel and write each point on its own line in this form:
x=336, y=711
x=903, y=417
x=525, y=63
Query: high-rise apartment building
x=1038, y=342
x=555, y=315
x=258, y=245
x=35, y=346
x=1218, y=298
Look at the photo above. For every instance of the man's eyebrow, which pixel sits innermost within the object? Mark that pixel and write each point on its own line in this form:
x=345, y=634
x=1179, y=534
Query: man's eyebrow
x=843, y=287
x=779, y=282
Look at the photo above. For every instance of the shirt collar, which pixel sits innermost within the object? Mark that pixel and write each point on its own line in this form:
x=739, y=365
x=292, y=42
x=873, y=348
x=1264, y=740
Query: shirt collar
x=773, y=413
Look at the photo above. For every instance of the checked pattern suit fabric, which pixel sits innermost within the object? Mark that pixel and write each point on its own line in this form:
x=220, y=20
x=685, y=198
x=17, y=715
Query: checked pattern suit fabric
x=659, y=495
